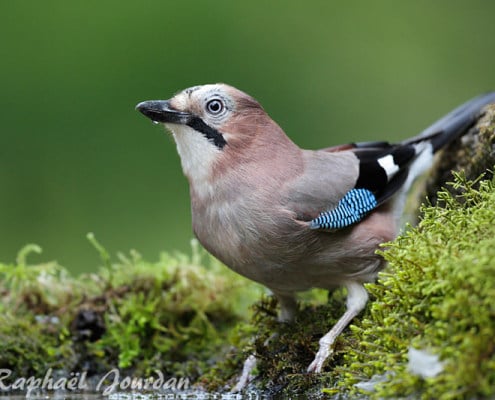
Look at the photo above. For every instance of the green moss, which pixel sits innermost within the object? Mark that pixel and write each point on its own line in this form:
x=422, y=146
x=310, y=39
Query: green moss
x=173, y=315
x=177, y=316
x=30, y=347
x=283, y=350
x=33, y=333
x=438, y=294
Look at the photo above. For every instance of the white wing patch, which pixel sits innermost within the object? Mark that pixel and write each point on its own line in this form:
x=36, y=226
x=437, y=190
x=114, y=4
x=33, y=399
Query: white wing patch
x=389, y=165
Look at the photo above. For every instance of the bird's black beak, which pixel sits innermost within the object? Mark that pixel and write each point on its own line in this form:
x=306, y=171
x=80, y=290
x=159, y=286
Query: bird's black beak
x=160, y=111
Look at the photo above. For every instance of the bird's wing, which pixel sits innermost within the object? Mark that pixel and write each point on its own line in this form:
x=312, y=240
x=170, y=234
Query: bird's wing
x=380, y=170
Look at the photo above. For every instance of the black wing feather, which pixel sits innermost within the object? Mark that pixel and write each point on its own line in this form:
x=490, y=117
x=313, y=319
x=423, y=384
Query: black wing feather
x=374, y=177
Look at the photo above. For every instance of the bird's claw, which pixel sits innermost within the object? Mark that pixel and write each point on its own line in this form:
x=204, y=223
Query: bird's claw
x=323, y=353
x=246, y=376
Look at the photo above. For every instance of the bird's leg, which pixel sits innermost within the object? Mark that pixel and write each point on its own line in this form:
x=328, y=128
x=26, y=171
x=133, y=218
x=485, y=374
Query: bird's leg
x=288, y=306
x=356, y=301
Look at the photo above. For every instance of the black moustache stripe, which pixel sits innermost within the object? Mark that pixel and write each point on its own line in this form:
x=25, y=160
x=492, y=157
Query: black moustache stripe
x=210, y=133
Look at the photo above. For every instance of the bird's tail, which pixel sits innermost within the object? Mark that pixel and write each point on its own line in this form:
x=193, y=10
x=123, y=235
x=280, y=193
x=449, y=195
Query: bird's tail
x=441, y=133
x=454, y=124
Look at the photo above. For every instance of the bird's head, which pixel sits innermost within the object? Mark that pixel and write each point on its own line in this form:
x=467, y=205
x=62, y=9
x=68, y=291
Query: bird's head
x=218, y=113
x=212, y=124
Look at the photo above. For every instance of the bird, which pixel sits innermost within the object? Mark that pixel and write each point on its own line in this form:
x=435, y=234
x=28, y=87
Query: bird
x=289, y=218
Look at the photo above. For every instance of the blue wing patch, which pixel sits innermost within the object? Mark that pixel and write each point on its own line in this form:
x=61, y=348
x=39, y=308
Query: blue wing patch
x=352, y=208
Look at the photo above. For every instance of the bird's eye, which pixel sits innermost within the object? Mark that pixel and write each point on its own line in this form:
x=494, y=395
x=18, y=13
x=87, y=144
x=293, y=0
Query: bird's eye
x=215, y=106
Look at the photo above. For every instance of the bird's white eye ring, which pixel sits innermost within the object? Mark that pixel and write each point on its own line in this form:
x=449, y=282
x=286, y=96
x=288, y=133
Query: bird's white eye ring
x=215, y=106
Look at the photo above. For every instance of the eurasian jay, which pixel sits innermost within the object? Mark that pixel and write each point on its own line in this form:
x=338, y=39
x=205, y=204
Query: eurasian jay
x=288, y=218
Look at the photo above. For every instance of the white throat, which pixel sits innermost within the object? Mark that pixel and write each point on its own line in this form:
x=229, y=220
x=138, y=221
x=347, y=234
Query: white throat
x=197, y=155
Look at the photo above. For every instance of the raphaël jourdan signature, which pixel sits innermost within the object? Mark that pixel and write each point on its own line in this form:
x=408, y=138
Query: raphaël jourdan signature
x=109, y=383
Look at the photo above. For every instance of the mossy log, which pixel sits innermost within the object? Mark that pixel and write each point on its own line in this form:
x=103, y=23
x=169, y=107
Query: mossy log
x=473, y=153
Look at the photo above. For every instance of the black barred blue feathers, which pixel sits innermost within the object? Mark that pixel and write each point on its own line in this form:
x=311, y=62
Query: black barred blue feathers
x=353, y=207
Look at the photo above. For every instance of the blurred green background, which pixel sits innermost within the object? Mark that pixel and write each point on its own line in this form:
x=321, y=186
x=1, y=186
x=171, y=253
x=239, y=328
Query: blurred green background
x=76, y=157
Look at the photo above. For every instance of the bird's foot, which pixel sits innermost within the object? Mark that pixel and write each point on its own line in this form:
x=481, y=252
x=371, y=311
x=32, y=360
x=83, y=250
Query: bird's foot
x=324, y=352
x=246, y=375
